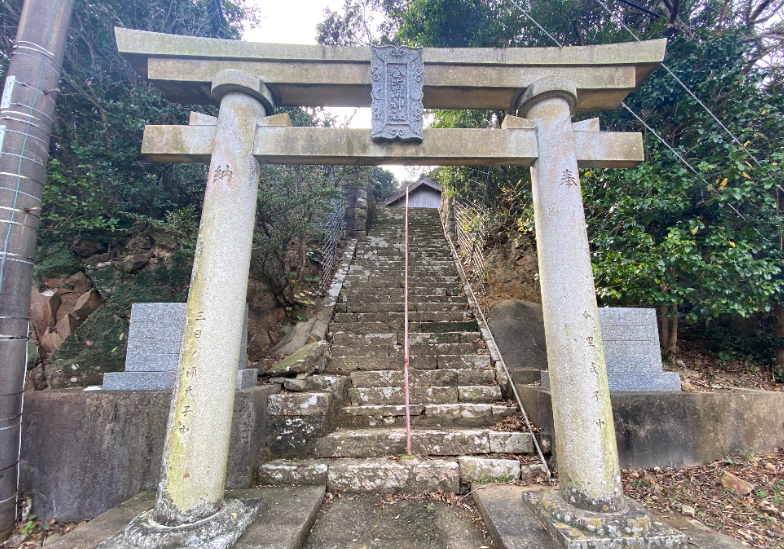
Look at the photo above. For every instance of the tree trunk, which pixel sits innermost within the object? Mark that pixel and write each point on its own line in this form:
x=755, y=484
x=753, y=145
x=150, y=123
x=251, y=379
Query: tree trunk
x=672, y=348
x=665, y=327
x=303, y=259
x=778, y=334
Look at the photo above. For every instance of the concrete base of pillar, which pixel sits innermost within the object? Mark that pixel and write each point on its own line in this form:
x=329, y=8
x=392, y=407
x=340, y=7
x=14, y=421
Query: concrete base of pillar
x=575, y=528
x=218, y=531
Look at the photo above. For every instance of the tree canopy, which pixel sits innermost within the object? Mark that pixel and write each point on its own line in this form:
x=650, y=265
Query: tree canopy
x=704, y=246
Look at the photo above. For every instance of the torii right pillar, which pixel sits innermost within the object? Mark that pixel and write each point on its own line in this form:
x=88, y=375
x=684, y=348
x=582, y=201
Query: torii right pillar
x=588, y=509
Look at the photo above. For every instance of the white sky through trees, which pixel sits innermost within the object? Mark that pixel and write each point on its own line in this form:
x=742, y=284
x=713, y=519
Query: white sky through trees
x=294, y=22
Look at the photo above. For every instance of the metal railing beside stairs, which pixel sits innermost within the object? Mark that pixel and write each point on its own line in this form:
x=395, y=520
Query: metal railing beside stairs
x=472, y=242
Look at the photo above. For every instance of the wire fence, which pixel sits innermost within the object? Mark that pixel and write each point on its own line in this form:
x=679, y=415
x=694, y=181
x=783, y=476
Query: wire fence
x=472, y=225
x=333, y=232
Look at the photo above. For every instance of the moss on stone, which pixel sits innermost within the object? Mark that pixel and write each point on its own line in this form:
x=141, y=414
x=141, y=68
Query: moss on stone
x=99, y=344
x=54, y=260
x=95, y=347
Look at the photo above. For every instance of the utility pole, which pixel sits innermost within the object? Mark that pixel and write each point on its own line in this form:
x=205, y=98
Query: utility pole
x=26, y=117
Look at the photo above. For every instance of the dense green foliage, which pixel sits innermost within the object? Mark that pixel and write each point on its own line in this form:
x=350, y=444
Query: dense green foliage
x=96, y=175
x=704, y=247
x=291, y=207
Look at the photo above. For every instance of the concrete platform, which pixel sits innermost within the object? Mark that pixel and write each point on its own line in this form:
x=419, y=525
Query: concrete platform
x=291, y=510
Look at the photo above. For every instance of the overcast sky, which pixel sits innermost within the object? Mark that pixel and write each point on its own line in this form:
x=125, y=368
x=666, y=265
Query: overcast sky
x=294, y=22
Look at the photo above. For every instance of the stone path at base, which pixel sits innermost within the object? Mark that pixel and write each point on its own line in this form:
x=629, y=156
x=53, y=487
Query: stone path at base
x=359, y=522
x=283, y=522
x=512, y=526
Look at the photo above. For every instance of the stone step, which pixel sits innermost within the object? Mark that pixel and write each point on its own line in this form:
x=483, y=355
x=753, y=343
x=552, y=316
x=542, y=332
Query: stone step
x=398, y=338
x=441, y=253
x=370, y=396
x=348, y=364
x=415, y=297
x=423, y=267
x=424, y=442
x=360, y=306
x=381, y=283
x=430, y=415
x=398, y=325
x=413, y=316
x=446, y=377
x=381, y=475
x=386, y=395
x=395, y=350
x=385, y=475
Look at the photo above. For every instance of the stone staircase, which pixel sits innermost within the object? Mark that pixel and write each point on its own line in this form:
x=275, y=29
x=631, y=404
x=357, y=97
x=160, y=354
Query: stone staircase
x=348, y=428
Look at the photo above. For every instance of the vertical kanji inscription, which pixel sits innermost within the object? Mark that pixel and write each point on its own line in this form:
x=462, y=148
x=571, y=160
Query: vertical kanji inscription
x=396, y=80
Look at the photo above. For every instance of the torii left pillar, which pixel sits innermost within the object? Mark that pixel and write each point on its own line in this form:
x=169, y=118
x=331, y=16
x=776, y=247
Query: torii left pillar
x=190, y=509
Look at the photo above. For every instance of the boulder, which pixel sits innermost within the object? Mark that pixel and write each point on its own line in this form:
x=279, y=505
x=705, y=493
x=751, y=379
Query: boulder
x=49, y=343
x=79, y=282
x=135, y=263
x=87, y=248
x=66, y=325
x=740, y=486
x=43, y=309
x=67, y=302
x=86, y=304
x=304, y=361
x=518, y=329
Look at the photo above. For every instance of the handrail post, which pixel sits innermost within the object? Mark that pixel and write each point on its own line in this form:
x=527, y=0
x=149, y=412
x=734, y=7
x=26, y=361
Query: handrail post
x=405, y=336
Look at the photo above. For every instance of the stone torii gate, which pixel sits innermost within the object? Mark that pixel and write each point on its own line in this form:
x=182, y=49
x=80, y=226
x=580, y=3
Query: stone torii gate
x=542, y=86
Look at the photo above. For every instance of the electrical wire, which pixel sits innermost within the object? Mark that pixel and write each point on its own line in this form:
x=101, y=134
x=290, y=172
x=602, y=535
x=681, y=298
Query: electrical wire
x=684, y=86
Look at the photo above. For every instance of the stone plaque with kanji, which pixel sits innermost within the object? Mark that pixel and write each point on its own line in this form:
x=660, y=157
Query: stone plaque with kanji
x=397, y=80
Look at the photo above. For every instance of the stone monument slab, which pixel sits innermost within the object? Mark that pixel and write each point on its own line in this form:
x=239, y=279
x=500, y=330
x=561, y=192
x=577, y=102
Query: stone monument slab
x=631, y=351
x=154, y=339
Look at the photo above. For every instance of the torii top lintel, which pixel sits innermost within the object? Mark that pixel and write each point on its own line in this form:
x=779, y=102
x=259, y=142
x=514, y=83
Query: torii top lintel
x=183, y=67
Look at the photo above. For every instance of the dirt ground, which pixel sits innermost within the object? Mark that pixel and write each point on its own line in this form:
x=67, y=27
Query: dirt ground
x=756, y=519
x=702, y=370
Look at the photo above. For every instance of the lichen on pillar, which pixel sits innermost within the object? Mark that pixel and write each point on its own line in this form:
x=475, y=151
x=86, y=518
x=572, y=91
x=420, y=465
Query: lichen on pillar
x=190, y=508
x=590, y=502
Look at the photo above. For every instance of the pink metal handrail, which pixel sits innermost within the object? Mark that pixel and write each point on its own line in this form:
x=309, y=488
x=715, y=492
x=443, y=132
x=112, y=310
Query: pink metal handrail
x=405, y=336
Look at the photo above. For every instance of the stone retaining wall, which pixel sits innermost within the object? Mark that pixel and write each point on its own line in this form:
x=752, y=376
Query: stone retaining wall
x=85, y=452
x=680, y=429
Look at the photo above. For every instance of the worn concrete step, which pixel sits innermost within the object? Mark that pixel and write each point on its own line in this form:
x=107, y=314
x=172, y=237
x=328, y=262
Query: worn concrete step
x=397, y=269
x=398, y=325
x=360, y=306
x=415, y=254
x=378, y=284
x=392, y=338
x=380, y=475
x=394, y=350
x=430, y=415
x=368, y=396
x=419, y=332
x=347, y=364
x=422, y=394
x=415, y=276
x=412, y=263
x=446, y=377
x=443, y=295
x=415, y=316
x=424, y=442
